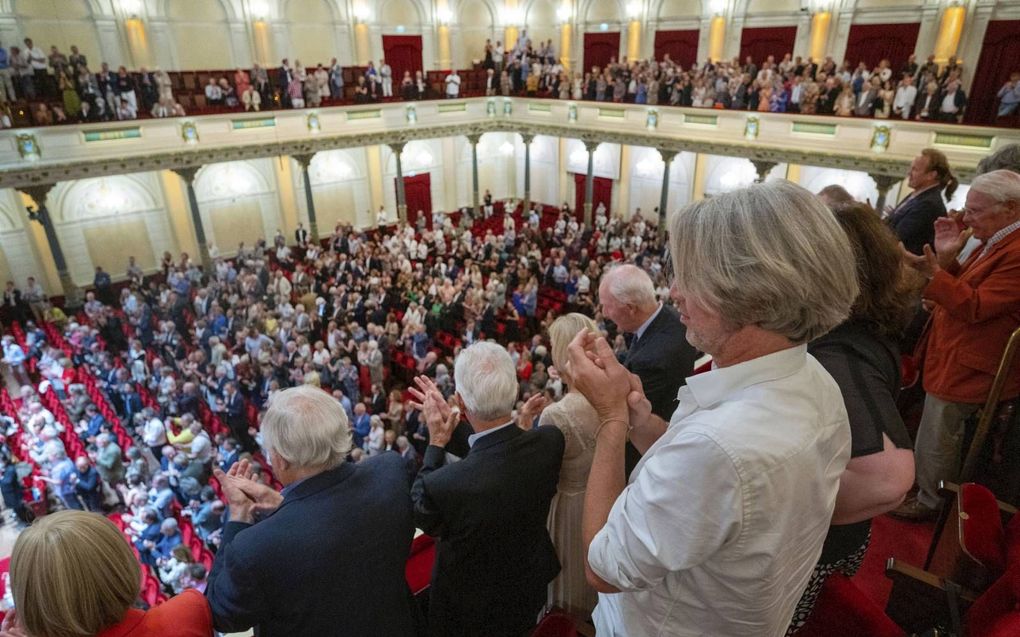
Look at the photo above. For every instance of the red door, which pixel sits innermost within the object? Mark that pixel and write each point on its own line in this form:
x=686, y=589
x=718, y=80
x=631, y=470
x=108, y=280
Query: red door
x=418, y=195
x=599, y=48
x=402, y=53
x=1000, y=53
x=602, y=192
x=871, y=43
x=761, y=42
x=682, y=46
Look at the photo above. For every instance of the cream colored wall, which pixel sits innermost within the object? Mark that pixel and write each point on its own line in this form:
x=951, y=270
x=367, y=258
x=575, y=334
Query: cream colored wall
x=393, y=12
x=474, y=25
x=108, y=249
x=200, y=34
x=61, y=23
x=542, y=23
x=311, y=32
x=679, y=9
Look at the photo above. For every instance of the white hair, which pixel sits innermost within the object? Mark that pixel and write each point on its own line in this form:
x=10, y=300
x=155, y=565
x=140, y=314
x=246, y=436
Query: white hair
x=770, y=255
x=307, y=427
x=486, y=380
x=630, y=285
x=1001, y=185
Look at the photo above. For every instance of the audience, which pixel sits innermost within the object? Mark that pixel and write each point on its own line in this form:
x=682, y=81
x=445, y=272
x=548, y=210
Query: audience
x=337, y=532
x=494, y=557
x=73, y=574
x=730, y=546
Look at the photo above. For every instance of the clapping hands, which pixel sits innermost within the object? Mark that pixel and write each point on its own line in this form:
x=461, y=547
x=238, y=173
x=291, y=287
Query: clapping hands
x=613, y=391
x=440, y=418
x=245, y=496
x=11, y=627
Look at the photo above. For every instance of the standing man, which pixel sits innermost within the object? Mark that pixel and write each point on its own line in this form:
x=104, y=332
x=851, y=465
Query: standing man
x=659, y=352
x=452, y=85
x=237, y=419
x=298, y=563
x=977, y=304
x=6, y=73
x=386, y=73
x=494, y=557
x=913, y=220
x=37, y=60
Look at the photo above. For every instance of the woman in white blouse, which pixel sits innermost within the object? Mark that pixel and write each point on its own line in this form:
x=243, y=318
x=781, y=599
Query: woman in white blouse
x=724, y=517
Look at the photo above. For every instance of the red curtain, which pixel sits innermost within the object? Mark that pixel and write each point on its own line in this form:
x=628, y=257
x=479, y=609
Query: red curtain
x=418, y=195
x=761, y=42
x=682, y=46
x=1000, y=56
x=871, y=43
x=599, y=48
x=602, y=192
x=402, y=53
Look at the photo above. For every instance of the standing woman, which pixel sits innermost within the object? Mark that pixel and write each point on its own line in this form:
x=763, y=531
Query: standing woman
x=576, y=418
x=72, y=573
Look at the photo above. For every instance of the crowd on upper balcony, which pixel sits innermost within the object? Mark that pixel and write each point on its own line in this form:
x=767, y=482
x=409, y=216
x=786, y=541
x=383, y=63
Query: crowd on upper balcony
x=61, y=87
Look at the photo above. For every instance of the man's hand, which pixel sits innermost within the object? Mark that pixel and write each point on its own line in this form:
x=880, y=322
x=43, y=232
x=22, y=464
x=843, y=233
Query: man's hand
x=950, y=236
x=440, y=427
x=599, y=376
x=11, y=627
x=639, y=407
x=242, y=506
x=926, y=264
x=531, y=409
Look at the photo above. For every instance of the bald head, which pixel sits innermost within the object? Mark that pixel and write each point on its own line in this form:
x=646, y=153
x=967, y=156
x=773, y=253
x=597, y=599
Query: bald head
x=627, y=296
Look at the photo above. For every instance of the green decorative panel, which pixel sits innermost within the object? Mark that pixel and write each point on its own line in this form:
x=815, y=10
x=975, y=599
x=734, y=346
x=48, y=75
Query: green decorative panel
x=260, y=122
x=969, y=141
x=367, y=113
x=612, y=112
x=452, y=107
x=814, y=128
x=536, y=107
x=109, y=134
x=704, y=120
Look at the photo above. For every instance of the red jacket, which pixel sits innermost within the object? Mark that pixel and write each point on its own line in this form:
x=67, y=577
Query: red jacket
x=977, y=308
x=186, y=615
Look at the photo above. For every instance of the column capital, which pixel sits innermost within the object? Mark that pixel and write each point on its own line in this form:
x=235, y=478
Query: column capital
x=885, y=182
x=474, y=138
x=667, y=155
x=397, y=147
x=762, y=167
x=38, y=192
x=590, y=145
x=527, y=138
x=187, y=173
x=304, y=159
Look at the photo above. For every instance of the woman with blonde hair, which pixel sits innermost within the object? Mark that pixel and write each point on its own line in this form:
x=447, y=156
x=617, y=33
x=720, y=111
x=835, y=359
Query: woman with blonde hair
x=74, y=575
x=576, y=418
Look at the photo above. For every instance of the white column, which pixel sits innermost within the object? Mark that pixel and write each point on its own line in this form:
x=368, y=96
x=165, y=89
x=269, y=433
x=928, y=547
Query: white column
x=164, y=47
x=703, y=35
x=240, y=44
x=802, y=42
x=281, y=42
x=840, y=34
x=734, y=30
x=973, y=37
x=111, y=46
x=929, y=30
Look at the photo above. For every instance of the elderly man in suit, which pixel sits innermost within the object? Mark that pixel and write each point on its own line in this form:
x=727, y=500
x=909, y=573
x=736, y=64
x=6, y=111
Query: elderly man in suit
x=865, y=102
x=659, y=352
x=977, y=305
x=327, y=555
x=494, y=557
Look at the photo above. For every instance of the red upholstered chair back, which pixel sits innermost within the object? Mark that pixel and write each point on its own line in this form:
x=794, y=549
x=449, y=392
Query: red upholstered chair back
x=556, y=624
x=971, y=549
x=997, y=612
x=843, y=609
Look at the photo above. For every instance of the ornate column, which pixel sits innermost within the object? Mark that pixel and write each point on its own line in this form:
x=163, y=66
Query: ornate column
x=397, y=149
x=667, y=159
x=188, y=175
x=527, y=138
x=883, y=183
x=589, y=182
x=473, y=140
x=305, y=160
x=763, y=166
x=72, y=293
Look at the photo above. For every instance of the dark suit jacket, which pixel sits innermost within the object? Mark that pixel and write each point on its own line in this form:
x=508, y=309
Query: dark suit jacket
x=663, y=359
x=494, y=557
x=914, y=220
x=329, y=561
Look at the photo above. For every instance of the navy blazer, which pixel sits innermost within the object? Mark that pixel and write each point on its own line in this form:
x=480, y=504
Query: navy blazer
x=329, y=561
x=913, y=221
x=494, y=556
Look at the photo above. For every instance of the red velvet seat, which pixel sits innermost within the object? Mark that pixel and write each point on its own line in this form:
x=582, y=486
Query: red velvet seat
x=418, y=570
x=556, y=624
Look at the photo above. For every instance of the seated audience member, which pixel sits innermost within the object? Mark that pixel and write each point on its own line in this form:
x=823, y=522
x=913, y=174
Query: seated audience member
x=312, y=568
x=494, y=556
x=72, y=573
x=575, y=417
x=754, y=451
x=863, y=357
x=975, y=310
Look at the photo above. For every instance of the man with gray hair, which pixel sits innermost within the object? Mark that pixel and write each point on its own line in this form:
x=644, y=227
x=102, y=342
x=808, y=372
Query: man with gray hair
x=659, y=352
x=494, y=556
x=976, y=304
x=327, y=555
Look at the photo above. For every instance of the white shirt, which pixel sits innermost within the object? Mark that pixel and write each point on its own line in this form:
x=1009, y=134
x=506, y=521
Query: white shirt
x=452, y=84
x=473, y=438
x=724, y=518
x=644, y=326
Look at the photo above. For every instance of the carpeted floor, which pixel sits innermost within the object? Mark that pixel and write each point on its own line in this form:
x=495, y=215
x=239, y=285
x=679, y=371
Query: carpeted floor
x=907, y=541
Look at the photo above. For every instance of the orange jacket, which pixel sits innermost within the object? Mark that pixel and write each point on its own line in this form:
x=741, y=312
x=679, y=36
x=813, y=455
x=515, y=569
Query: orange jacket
x=977, y=308
x=186, y=615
